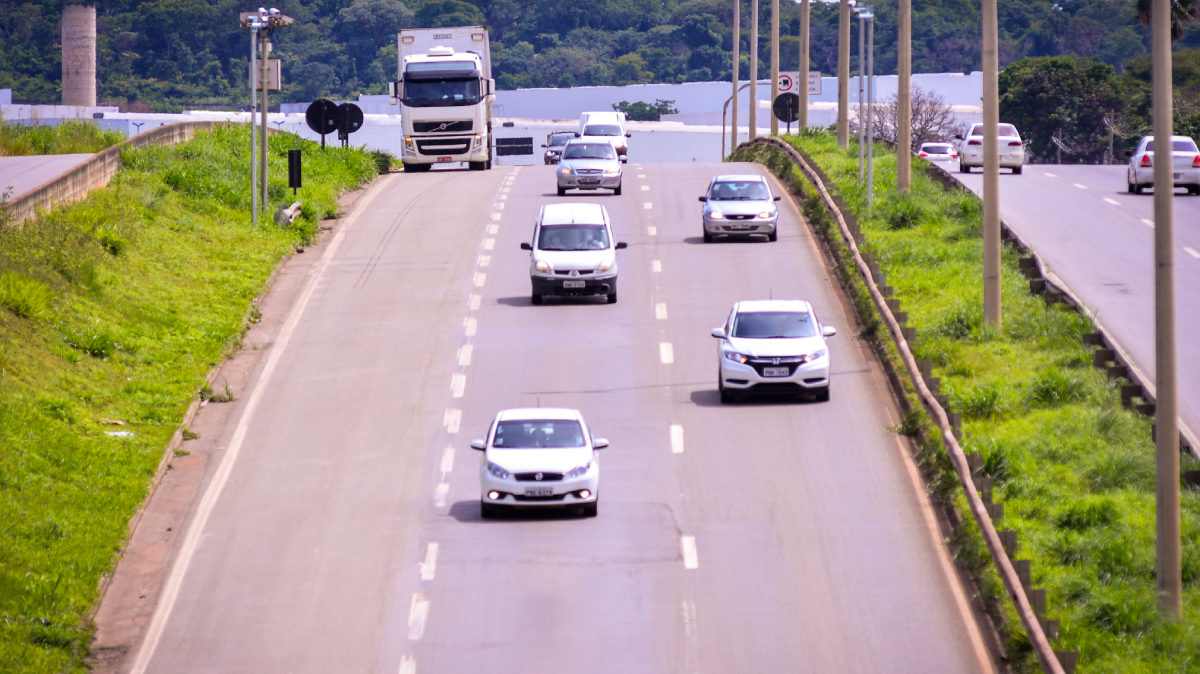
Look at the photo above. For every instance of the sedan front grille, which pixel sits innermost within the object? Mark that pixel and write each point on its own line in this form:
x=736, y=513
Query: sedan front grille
x=588, y=172
x=739, y=217
x=533, y=477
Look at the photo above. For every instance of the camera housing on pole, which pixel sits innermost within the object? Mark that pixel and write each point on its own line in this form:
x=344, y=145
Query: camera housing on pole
x=262, y=24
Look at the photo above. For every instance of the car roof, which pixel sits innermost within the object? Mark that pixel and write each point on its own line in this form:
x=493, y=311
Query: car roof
x=937, y=143
x=574, y=213
x=747, y=306
x=524, y=413
x=739, y=178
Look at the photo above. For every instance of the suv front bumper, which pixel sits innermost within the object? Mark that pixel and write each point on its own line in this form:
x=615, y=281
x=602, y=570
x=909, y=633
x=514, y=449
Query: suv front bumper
x=744, y=377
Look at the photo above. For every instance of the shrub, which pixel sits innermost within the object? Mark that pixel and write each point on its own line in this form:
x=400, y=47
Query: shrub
x=1087, y=512
x=1054, y=387
x=25, y=297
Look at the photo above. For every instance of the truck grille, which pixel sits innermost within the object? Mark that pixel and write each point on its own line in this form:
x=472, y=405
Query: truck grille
x=444, y=146
x=447, y=127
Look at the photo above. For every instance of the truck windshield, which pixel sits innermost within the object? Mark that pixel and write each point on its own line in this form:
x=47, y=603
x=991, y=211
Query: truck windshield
x=440, y=93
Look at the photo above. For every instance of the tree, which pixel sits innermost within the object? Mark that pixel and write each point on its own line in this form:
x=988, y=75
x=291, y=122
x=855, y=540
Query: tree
x=640, y=111
x=377, y=19
x=1183, y=12
x=1060, y=101
x=932, y=119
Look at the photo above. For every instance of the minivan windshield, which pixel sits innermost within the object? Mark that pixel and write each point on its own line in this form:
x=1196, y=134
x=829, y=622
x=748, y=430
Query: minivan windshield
x=774, y=325
x=573, y=237
x=1177, y=145
x=602, y=130
x=745, y=190
x=538, y=433
x=590, y=151
x=440, y=93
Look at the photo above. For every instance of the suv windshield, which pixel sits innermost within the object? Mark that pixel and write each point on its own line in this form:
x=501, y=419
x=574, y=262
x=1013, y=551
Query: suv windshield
x=590, y=151
x=1177, y=146
x=774, y=325
x=601, y=130
x=739, y=191
x=573, y=237
x=440, y=93
x=535, y=433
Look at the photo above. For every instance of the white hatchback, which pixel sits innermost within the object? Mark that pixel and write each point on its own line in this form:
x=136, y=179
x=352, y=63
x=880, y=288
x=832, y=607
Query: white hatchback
x=1012, y=150
x=772, y=347
x=539, y=457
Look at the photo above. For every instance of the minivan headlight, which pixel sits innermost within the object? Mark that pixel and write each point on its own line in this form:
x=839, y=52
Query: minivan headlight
x=579, y=471
x=605, y=266
x=496, y=471
x=542, y=266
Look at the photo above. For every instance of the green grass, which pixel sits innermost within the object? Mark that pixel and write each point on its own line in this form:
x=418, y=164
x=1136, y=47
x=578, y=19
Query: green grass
x=69, y=137
x=116, y=308
x=1074, y=469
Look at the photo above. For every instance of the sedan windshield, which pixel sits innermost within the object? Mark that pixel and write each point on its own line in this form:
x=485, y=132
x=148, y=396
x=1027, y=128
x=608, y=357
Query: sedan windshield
x=602, y=130
x=590, y=151
x=440, y=93
x=1177, y=146
x=537, y=433
x=740, y=191
x=573, y=237
x=774, y=325
x=1003, y=130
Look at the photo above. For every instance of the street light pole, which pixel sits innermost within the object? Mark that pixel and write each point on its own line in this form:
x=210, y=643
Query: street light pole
x=862, y=73
x=774, y=63
x=870, y=107
x=843, y=120
x=753, y=69
x=804, y=49
x=253, y=127
x=737, y=62
x=1166, y=416
x=904, y=99
x=991, y=169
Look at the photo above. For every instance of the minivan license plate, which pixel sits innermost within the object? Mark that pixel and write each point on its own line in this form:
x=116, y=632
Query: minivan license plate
x=574, y=284
x=539, y=491
x=775, y=372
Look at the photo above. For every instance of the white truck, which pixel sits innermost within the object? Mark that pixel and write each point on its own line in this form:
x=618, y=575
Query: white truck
x=445, y=92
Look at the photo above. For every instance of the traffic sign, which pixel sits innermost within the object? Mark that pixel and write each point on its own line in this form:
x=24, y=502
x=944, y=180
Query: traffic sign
x=322, y=117
x=787, y=107
x=814, y=83
x=786, y=82
x=350, y=119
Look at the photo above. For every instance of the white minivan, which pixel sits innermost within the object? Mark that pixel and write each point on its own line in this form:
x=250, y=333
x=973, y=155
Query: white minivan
x=573, y=252
x=605, y=126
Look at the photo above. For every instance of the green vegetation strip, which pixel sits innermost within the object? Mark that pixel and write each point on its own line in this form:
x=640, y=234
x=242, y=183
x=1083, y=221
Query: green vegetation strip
x=112, y=312
x=69, y=137
x=1074, y=470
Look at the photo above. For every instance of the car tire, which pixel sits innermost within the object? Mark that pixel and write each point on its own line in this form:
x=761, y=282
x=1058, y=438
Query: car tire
x=1194, y=190
x=1017, y=170
x=590, y=509
x=708, y=238
x=1139, y=188
x=822, y=394
x=562, y=191
x=488, y=511
x=963, y=168
x=617, y=192
x=773, y=236
x=726, y=397
x=1131, y=188
x=536, y=298
x=612, y=298
x=477, y=165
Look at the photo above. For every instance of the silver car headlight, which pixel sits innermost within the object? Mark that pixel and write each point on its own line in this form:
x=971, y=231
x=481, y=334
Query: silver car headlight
x=564, y=171
x=605, y=266
x=736, y=357
x=579, y=471
x=542, y=266
x=611, y=172
x=716, y=215
x=496, y=471
x=766, y=215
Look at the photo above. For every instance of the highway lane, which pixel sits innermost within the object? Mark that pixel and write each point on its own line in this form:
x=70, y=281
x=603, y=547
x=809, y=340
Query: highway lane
x=774, y=537
x=1100, y=240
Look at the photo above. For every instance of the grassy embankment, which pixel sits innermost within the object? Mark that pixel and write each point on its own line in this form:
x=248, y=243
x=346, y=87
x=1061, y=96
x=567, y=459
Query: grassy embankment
x=71, y=137
x=114, y=309
x=1074, y=470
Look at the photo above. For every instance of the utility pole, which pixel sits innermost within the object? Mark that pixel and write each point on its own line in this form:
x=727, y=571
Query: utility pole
x=869, y=11
x=862, y=74
x=253, y=127
x=904, y=100
x=804, y=49
x=1166, y=416
x=843, y=119
x=991, y=169
x=737, y=63
x=265, y=37
x=753, y=69
x=774, y=63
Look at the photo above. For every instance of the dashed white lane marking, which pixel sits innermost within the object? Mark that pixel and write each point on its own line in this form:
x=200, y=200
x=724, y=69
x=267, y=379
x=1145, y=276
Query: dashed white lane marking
x=500, y=204
x=656, y=266
x=647, y=205
x=408, y=665
x=505, y=190
x=652, y=230
x=1148, y=223
x=430, y=564
x=458, y=384
x=676, y=439
x=1192, y=252
x=485, y=260
x=496, y=216
x=489, y=244
x=1082, y=187
x=473, y=303
x=464, y=355
x=448, y=459
x=1114, y=202
x=439, y=495
x=452, y=420
x=646, y=188
x=470, y=324
x=666, y=352
x=690, y=559
x=480, y=279
x=493, y=229
x=689, y=618
x=643, y=175
x=505, y=196
x=417, y=615
x=660, y=311
x=1048, y=175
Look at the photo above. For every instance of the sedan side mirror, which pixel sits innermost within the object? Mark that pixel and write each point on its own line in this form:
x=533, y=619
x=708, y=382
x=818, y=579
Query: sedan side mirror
x=478, y=444
x=719, y=333
x=704, y=200
x=778, y=198
x=828, y=331
x=599, y=443
x=621, y=245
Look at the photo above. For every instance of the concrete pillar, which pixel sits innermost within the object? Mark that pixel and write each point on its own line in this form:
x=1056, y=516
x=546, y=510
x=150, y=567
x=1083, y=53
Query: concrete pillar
x=803, y=83
x=843, y=74
x=774, y=63
x=79, y=55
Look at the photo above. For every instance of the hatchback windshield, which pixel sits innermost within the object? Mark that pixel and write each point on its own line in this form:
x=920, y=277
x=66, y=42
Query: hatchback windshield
x=560, y=139
x=774, y=325
x=535, y=433
x=1178, y=146
x=573, y=237
x=936, y=149
x=740, y=191
x=440, y=93
x=601, y=130
x=590, y=151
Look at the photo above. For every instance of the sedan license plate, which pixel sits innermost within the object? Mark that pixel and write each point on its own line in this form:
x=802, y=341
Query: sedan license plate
x=574, y=284
x=741, y=226
x=539, y=491
x=775, y=372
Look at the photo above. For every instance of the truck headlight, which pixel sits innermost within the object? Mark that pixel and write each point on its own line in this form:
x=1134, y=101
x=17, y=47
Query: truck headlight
x=605, y=266
x=409, y=146
x=542, y=266
x=496, y=471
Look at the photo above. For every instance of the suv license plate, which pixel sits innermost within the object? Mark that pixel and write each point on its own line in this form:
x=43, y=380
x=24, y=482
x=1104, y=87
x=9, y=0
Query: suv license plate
x=539, y=491
x=775, y=372
x=574, y=284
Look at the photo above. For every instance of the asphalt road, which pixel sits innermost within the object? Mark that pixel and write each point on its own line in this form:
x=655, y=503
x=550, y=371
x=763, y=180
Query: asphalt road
x=18, y=175
x=1099, y=239
x=347, y=534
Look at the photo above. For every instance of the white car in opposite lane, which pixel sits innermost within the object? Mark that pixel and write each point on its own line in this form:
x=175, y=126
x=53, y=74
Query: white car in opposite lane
x=539, y=457
x=774, y=347
x=573, y=252
x=1185, y=169
x=1012, y=149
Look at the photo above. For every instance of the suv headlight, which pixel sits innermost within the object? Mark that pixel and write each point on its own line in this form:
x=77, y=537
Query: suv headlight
x=736, y=357
x=579, y=471
x=716, y=215
x=542, y=266
x=564, y=171
x=496, y=471
x=605, y=266
x=815, y=355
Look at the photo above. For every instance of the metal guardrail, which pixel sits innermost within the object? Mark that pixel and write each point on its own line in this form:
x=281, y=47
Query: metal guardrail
x=1004, y=566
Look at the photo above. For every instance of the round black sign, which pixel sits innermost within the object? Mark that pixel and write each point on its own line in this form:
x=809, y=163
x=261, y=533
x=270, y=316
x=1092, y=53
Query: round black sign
x=786, y=108
x=322, y=117
x=350, y=119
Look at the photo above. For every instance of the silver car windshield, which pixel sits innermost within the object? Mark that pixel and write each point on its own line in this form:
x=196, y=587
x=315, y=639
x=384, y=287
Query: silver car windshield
x=538, y=433
x=590, y=151
x=739, y=191
x=573, y=237
x=774, y=325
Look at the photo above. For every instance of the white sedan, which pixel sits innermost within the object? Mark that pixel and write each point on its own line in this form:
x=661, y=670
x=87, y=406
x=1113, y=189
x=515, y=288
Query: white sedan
x=1012, y=150
x=539, y=457
x=1185, y=169
x=772, y=347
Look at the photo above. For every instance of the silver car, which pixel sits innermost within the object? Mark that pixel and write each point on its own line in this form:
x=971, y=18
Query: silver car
x=739, y=205
x=589, y=165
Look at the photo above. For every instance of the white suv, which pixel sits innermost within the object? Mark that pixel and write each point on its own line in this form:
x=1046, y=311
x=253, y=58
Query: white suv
x=573, y=252
x=539, y=457
x=1012, y=150
x=772, y=347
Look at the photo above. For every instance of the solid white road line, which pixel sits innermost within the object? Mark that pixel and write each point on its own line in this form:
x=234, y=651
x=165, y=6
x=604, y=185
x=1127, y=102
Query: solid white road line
x=439, y=495
x=452, y=420
x=447, y=459
x=1148, y=223
x=458, y=384
x=417, y=615
x=430, y=564
x=660, y=311
x=690, y=560
x=1192, y=252
x=1114, y=202
x=464, y=355
x=1082, y=187
x=187, y=548
x=489, y=244
x=408, y=665
x=652, y=231
x=470, y=324
x=480, y=279
x=656, y=266
x=666, y=352
x=473, y=302
x=676, y=439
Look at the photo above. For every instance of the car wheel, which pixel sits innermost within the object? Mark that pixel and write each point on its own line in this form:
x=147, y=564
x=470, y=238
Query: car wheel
x=590, y=509
x=963, y=168
x=708, y=238
x=562, y=191
x=1131, y=188
x=487, y=511
x=477, y=165
x=536, y=298
x=612, y=298
x=617, y=192
x=823, y=394
x=1017, y=170
x=773, y=236
x=1139, y=188
x=1194, y=190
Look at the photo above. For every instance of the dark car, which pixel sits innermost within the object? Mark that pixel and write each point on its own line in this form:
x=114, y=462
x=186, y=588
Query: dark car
x=555, y=143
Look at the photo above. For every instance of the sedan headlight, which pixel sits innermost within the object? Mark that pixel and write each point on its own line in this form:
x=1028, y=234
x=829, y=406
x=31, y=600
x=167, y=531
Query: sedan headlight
x=579, y=471
x=716, y=215
x=496, y=471
x=605, y=266
x=736, y=357
x=766, y=215
x=564, y=171
x=815, y=355
x=542, y=266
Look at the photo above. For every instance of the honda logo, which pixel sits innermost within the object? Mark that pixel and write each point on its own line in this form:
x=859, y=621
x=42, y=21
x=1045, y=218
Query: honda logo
x=538, y=477
x=774, y=361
